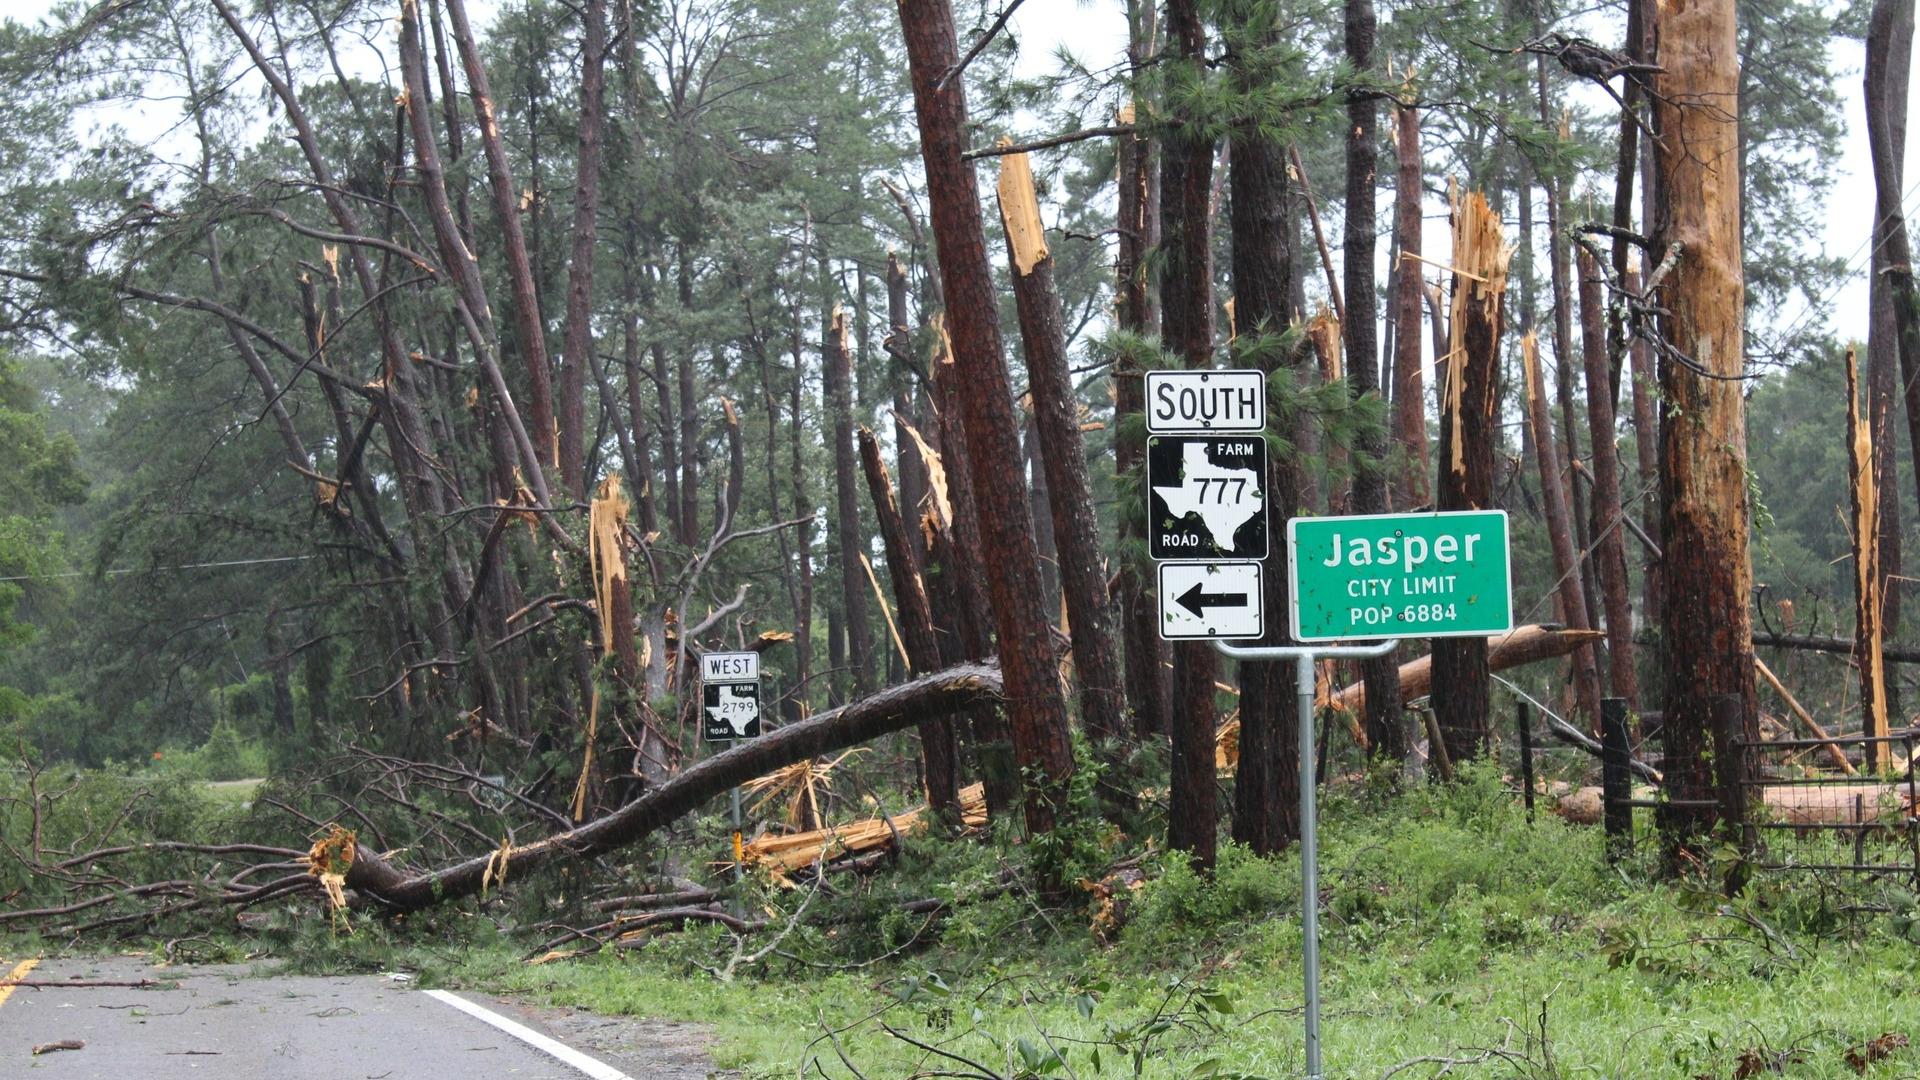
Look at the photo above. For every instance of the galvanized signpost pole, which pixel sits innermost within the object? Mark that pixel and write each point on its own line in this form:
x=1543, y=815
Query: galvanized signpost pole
x=1420, y=575
x=1304, y=657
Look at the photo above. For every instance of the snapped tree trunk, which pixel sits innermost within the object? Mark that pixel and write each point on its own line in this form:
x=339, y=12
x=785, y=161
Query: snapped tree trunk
x=1056, y=420
x=1036, y=710
x=1868, y=657
x=1467, y=435
x=916, y=626
x=958, y=559
x=1706, y=622
x=899, y=347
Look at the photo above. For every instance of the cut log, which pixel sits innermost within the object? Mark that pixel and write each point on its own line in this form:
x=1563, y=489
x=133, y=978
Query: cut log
x=1884, y=805
x=392, y=888
x=1523, y=645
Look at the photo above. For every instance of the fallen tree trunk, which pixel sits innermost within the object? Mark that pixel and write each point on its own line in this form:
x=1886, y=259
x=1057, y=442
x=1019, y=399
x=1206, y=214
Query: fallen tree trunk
x=1523, y=645
x=395, y=889
x=1843, y=646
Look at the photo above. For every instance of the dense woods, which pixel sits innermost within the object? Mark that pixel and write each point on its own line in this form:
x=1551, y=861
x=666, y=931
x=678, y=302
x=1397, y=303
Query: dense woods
x=441, y=384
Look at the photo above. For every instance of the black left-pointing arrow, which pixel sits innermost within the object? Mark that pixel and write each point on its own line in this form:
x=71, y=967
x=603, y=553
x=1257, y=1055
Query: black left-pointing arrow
x=1198, y=600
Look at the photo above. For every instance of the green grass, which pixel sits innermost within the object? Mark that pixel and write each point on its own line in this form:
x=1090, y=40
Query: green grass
x=237, y=794
x=1452, y=927
x=1454, y=930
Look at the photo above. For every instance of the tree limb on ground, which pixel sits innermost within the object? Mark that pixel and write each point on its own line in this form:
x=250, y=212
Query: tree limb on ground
x=395, y=889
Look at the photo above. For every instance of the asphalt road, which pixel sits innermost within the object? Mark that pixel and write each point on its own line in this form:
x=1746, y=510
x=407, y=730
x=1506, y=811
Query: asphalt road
x=223, y=1022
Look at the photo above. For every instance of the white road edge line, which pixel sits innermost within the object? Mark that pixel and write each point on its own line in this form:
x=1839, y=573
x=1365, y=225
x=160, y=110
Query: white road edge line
x=554, y=1048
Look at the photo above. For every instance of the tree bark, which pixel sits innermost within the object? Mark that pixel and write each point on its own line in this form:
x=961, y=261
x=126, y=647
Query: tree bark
x=1409, y=396
x=1610, y=537
x=1266, y=787
x=941, y=694
x=1627, y=164
x=1467, y=436
x=1040, y=505
x=689, y=414
x=899, y=346
x=1706, y=576
x=669, y=439
x=802, y=503
x=1359, y=329
x=639, y=431
x=1147, y=656
x=1186, y=330
x=851, y=541
x=1564, y=348
x=1566, y=559
x=526, y=304
x=576, y=350
x=1893, y=333
x=1056, y=422
x=1036, y=710
x=916, y=626
x=961, y=565
x=1646, y=444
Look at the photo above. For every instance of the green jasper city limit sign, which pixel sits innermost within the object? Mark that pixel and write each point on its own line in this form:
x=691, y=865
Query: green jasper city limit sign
x=1399, y=575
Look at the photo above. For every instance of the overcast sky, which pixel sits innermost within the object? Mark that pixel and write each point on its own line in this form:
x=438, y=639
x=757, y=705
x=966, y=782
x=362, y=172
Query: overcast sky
x=1097, y=32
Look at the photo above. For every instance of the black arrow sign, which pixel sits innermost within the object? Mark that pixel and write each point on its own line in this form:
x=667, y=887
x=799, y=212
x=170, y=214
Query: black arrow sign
x=1198, y=601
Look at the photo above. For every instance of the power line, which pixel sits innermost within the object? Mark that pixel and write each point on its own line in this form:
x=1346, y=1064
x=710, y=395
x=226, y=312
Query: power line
x=1854, y=265
x=157, y=569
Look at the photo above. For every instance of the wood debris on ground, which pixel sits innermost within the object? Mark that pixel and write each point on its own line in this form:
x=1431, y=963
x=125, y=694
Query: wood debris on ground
x=783, y=853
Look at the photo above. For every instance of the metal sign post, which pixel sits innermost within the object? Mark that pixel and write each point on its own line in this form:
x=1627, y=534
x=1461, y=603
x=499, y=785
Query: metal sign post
x=1206, y=494
x=1304, y=657
x=730, y=708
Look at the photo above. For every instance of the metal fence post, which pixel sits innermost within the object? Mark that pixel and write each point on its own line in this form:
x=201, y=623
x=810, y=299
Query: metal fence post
x=1913, y=810
x=1730, y=768
x=1616, y=776
x=1523, y=718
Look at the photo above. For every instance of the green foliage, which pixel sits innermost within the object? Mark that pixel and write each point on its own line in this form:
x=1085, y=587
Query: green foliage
x=83, y=811
x=1450, y=924
x=1182, y=909
x=226, y=755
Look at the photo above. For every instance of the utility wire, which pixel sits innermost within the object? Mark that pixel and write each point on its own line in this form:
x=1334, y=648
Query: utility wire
x=157, y=569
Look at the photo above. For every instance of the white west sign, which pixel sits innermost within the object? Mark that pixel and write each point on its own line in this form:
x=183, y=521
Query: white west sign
x=729, y=667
